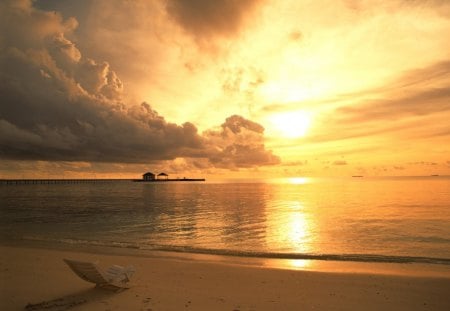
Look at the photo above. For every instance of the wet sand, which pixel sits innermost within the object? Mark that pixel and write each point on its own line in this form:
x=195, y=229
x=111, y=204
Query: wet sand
x=38, y=279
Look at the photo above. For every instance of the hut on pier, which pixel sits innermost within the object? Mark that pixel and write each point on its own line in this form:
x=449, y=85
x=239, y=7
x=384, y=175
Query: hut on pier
x=149, y=176
x=163, y=176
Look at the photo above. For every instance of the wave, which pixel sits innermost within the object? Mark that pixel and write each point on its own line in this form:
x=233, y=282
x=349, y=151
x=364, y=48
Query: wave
x=369, y=258
x=307, y=256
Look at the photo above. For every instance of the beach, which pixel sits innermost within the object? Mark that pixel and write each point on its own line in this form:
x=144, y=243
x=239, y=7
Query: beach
x=38, y=279
x=233, y=155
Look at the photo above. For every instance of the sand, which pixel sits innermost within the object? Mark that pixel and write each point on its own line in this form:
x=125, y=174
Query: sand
x=38, y=279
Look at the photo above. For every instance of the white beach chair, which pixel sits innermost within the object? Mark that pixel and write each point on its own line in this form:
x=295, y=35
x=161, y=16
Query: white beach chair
x=115, y=278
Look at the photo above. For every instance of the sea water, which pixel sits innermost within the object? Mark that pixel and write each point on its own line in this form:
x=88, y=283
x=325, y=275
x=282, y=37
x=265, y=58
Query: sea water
x=359, y=219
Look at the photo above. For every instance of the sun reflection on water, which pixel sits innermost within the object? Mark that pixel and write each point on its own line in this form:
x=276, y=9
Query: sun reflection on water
x=298, y=228
x=290, y=228
x=295, y=233
x=298, y=263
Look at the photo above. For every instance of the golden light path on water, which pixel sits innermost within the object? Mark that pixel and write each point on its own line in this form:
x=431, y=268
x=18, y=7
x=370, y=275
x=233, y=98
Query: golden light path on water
x=292, y=225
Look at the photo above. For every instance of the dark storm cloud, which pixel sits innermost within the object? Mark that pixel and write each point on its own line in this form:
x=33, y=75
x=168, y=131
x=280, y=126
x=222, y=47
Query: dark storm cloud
x=205, y=18
x=58, y=105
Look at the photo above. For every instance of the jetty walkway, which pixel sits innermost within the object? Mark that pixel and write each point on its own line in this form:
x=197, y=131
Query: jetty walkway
x=58, y=181
x=84, y=181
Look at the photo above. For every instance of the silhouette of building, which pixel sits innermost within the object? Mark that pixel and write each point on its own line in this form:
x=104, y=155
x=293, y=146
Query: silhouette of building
x=163, y=176
x=149, y=176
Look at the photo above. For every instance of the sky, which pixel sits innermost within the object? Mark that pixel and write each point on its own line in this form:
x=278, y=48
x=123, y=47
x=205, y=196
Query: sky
x=225, y=88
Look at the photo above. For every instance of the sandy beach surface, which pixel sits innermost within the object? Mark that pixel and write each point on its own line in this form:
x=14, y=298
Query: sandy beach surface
x=38, y=279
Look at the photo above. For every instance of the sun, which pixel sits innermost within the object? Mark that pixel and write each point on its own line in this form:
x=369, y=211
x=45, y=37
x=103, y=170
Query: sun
x=293, y=124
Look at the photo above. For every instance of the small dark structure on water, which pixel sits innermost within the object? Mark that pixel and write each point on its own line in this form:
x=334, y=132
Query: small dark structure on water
x=163, y=176
x=149, y=176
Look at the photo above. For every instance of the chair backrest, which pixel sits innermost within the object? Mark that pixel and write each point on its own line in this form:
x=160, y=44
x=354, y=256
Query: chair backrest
x=88, y=271
x=119, y=273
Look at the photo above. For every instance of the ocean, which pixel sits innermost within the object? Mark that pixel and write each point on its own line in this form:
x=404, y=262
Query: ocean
x=397, y=219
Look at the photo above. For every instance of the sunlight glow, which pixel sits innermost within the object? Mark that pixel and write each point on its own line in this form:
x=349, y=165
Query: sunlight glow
x=299, y=263
x=298, y=180
x=293, y=124
x=284, y=92
x=298, y=225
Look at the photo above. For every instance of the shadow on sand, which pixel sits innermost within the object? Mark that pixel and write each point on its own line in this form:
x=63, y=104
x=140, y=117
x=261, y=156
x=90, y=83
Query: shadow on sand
x=71, y=301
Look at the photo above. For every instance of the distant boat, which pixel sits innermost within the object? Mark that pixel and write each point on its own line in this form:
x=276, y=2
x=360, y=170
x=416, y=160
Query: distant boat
x=435, y=175
x=359, y=176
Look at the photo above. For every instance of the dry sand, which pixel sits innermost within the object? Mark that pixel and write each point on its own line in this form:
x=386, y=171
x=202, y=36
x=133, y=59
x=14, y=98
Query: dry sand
x=40, y=279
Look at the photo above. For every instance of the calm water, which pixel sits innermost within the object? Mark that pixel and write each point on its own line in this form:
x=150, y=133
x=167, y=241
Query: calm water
x=350, y=219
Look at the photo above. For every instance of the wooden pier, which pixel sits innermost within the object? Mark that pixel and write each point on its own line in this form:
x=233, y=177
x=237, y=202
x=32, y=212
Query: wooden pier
x=59, y=181
x=169, y=179
x=84, y=181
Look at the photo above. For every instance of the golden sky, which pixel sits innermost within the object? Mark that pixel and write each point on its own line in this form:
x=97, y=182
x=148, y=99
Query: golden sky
x=255, y=88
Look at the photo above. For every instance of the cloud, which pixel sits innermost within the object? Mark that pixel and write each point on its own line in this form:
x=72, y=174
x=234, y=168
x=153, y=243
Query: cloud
x=413, y=106
x=421, y=92
x=207, y=19
x=295, y=163
x=340, y=162
x=239, y=143
x=59, y=105
x=419, y=104
x=295, y=35
x=427, y=163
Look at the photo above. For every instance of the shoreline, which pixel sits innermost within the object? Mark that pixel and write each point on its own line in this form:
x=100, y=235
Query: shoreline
x=172, y=281
x=314, y=264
